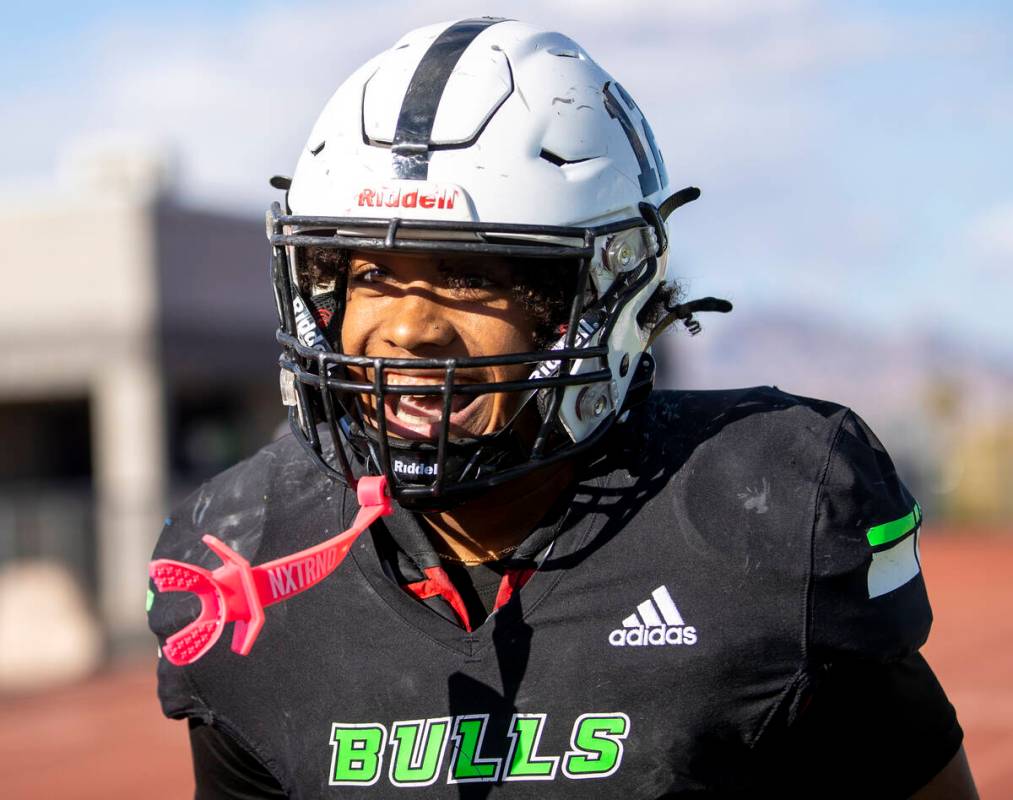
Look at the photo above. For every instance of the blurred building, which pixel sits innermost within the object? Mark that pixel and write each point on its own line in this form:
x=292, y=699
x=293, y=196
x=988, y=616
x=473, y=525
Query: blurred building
x=981, y=473
x=136, y=359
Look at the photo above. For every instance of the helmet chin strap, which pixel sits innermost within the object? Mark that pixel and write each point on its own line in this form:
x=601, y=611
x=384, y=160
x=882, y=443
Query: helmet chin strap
x=417, y=463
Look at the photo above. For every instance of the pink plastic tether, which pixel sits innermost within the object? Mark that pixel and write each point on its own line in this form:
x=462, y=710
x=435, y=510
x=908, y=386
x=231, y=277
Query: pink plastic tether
x=236, y=592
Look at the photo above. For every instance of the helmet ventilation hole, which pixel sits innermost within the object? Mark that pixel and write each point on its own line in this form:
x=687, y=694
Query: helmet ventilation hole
x=559, y=161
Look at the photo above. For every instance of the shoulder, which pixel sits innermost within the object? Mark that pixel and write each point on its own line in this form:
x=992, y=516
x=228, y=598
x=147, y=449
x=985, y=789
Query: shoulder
x=741, y=469
x=754, y=423
x=731, y=405
x=237, y=505
x=800, y=485
x=267, y=506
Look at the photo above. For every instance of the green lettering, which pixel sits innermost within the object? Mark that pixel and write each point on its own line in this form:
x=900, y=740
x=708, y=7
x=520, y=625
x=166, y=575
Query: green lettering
x=597, y=745
x=524, y=763
x=357, y=755
x=418, y=752
x=467, y=767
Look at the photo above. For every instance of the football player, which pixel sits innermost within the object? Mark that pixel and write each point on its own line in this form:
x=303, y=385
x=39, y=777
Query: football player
x=582, y=588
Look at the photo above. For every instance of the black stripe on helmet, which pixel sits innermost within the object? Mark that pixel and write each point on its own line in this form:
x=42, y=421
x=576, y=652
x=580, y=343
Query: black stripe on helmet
x=659, y=162
x=411, y=143
x=648, y=177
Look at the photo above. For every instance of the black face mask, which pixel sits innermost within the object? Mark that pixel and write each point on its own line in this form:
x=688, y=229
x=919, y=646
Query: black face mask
x=324, y=403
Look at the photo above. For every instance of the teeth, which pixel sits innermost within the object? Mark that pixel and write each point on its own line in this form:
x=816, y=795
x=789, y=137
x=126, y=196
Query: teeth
x=409, y=380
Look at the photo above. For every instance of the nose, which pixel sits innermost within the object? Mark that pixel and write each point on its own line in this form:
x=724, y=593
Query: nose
x=418, y=323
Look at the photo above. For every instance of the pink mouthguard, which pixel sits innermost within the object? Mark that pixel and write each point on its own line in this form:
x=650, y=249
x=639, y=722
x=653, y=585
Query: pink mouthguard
x=237, y=592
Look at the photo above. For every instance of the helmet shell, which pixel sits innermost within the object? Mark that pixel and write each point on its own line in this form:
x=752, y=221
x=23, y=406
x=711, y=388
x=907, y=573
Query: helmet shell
x=526, y=126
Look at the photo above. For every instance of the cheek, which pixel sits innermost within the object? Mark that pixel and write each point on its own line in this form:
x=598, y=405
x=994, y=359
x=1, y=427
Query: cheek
x=511, y=332
x=355, y=327
x=509, y=339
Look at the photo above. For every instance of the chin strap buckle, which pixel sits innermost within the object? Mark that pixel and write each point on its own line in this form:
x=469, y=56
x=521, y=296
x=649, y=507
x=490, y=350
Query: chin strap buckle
x=236, y=592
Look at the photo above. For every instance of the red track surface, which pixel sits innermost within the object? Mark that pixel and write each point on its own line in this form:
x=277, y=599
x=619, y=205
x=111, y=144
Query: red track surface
x=970, y=584
x=100, y=740
x=105, y=738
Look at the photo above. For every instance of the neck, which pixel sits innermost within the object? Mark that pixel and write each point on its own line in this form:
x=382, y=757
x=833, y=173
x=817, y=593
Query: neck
x=494, y=524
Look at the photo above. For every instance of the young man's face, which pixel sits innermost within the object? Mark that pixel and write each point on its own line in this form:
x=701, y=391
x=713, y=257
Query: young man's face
x=406, y=305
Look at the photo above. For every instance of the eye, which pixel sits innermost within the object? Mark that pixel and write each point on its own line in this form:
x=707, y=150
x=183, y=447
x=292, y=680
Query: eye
x=370, y=273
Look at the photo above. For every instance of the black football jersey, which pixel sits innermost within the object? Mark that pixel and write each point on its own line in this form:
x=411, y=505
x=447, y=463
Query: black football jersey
x=716, y=560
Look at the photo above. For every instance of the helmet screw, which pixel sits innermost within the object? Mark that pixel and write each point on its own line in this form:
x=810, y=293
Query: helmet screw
x=593, y=401
x=624, y=365
x=625, y=255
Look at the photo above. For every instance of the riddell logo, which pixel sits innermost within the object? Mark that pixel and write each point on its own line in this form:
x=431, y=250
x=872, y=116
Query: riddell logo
x=408, y=468
x=306, y=326
x=649, y=627
x=398, y=198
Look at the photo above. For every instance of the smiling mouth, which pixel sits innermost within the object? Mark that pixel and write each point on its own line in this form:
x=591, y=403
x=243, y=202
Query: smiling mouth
x=419, y=416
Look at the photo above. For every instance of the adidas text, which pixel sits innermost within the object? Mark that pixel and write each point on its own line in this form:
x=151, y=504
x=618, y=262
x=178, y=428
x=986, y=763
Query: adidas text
x=663, y=635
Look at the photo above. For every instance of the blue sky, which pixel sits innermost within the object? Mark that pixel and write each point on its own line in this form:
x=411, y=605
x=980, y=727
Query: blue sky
x=855, y=157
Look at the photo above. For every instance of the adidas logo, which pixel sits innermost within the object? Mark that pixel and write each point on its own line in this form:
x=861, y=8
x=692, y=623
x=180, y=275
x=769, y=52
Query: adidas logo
x=657, y=622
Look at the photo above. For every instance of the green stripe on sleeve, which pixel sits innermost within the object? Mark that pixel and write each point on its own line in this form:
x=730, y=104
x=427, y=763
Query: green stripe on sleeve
x=895, y=529
x=149, y=601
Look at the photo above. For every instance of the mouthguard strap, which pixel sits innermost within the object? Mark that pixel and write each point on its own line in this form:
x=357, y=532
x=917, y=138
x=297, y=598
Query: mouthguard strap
x=237, y=592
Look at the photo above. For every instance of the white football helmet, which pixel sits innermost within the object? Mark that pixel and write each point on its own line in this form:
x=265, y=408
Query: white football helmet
x=492, y=136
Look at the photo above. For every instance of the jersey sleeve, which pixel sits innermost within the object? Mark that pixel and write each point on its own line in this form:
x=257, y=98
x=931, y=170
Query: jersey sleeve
x=868, y=730
x=224, y=770
x=169, y=612
x=233, y=507
x=867, y=595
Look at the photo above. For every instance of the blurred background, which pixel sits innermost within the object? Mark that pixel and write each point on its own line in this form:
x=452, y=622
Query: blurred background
x=857, y=208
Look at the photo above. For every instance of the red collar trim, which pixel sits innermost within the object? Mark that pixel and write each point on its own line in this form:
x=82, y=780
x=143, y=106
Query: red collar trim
x=438, y=584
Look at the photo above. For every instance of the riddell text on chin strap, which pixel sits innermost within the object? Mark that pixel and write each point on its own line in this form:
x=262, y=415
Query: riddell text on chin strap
x=239, y=593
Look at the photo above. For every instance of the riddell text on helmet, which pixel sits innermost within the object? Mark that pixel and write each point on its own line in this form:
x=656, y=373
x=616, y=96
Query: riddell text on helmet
x=385, y=197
